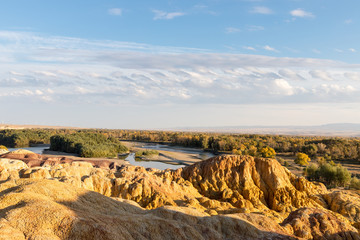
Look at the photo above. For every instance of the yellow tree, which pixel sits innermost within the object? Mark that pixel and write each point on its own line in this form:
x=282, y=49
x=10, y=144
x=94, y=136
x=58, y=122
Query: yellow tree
x=302, y=159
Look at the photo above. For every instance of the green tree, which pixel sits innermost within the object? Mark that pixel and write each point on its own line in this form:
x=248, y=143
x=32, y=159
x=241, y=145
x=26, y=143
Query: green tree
x=330, y=175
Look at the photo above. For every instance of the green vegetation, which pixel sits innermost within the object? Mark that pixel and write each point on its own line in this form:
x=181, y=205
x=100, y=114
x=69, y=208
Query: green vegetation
x=329, y=174
x=355, y=183
x=26, y=137
x=87, y=144
x=146, y=153
x=328, y=148
x=302, y=159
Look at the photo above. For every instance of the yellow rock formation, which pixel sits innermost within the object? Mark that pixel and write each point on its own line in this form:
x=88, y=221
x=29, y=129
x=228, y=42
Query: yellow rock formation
x=226, y=197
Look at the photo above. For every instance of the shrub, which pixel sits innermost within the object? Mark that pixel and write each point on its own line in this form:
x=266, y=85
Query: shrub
x=302, y=159
x=331, y=176
x=236, y=152
x=355, y=183
x=146, y=153
x=312, y=172
x=281, y=160
x=267, y=152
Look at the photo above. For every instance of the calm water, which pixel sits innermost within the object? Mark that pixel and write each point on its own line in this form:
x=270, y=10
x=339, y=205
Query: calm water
x=37, y=149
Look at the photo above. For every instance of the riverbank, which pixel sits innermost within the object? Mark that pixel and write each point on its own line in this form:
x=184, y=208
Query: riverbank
x=170, y=154
x=48, y=153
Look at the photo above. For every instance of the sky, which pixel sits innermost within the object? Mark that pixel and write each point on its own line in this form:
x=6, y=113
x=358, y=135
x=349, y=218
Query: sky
x=179, y=63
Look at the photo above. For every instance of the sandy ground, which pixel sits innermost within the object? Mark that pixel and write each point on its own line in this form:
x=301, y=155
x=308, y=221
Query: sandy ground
x=169, y=157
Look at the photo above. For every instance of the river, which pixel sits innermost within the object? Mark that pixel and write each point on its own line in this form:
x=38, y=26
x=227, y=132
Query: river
x=131, y=157
x=36, y=149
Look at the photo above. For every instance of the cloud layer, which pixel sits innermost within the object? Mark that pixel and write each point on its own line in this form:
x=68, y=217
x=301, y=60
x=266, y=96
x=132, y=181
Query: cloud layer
x=36, y=68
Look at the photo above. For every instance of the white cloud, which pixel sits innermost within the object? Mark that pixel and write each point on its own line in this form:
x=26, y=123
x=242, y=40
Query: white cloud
x=291, y=74
x=348, y=21
x=282, y=87
x=301, y=13
x=323, y=75
x=45, y=73
x=254, y=28
x=268, y=48
x=249, y=48
x=16, y=73
x=354, y=76
x=334, y=89
x=166, y=15
x=352, y=50
x=232, y=30
x=316, y=51
x=115, y=11
x=262, y=10
x=131, y=73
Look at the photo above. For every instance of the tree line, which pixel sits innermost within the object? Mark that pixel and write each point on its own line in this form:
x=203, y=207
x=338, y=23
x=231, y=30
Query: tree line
x=330, y=148
x=87, y=144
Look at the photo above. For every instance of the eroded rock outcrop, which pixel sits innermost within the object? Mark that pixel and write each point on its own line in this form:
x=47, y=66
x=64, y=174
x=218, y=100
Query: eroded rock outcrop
x=256, y=182
x=45, y=209
x=346, y=203
x=311, y=223
x=223, y=194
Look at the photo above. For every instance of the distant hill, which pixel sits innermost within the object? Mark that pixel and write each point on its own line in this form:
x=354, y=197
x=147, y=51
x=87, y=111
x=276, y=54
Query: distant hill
x=334, y=129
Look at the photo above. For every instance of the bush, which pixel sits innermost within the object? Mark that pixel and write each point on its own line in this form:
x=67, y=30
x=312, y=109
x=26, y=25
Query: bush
x=331, y=176
x=267, y=152
x=146, y=153
x=280, y=160
x=355, y=183
x=312, y=172
x=302, y=159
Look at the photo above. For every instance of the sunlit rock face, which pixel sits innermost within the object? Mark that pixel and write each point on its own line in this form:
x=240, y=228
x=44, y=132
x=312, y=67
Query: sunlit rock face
x=226, y=197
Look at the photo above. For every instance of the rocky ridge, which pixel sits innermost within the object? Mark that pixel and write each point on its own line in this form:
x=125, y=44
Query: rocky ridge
x=211, y=199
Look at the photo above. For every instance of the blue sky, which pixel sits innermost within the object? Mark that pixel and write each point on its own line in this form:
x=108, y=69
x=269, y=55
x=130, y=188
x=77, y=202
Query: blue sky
x=159, y=64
